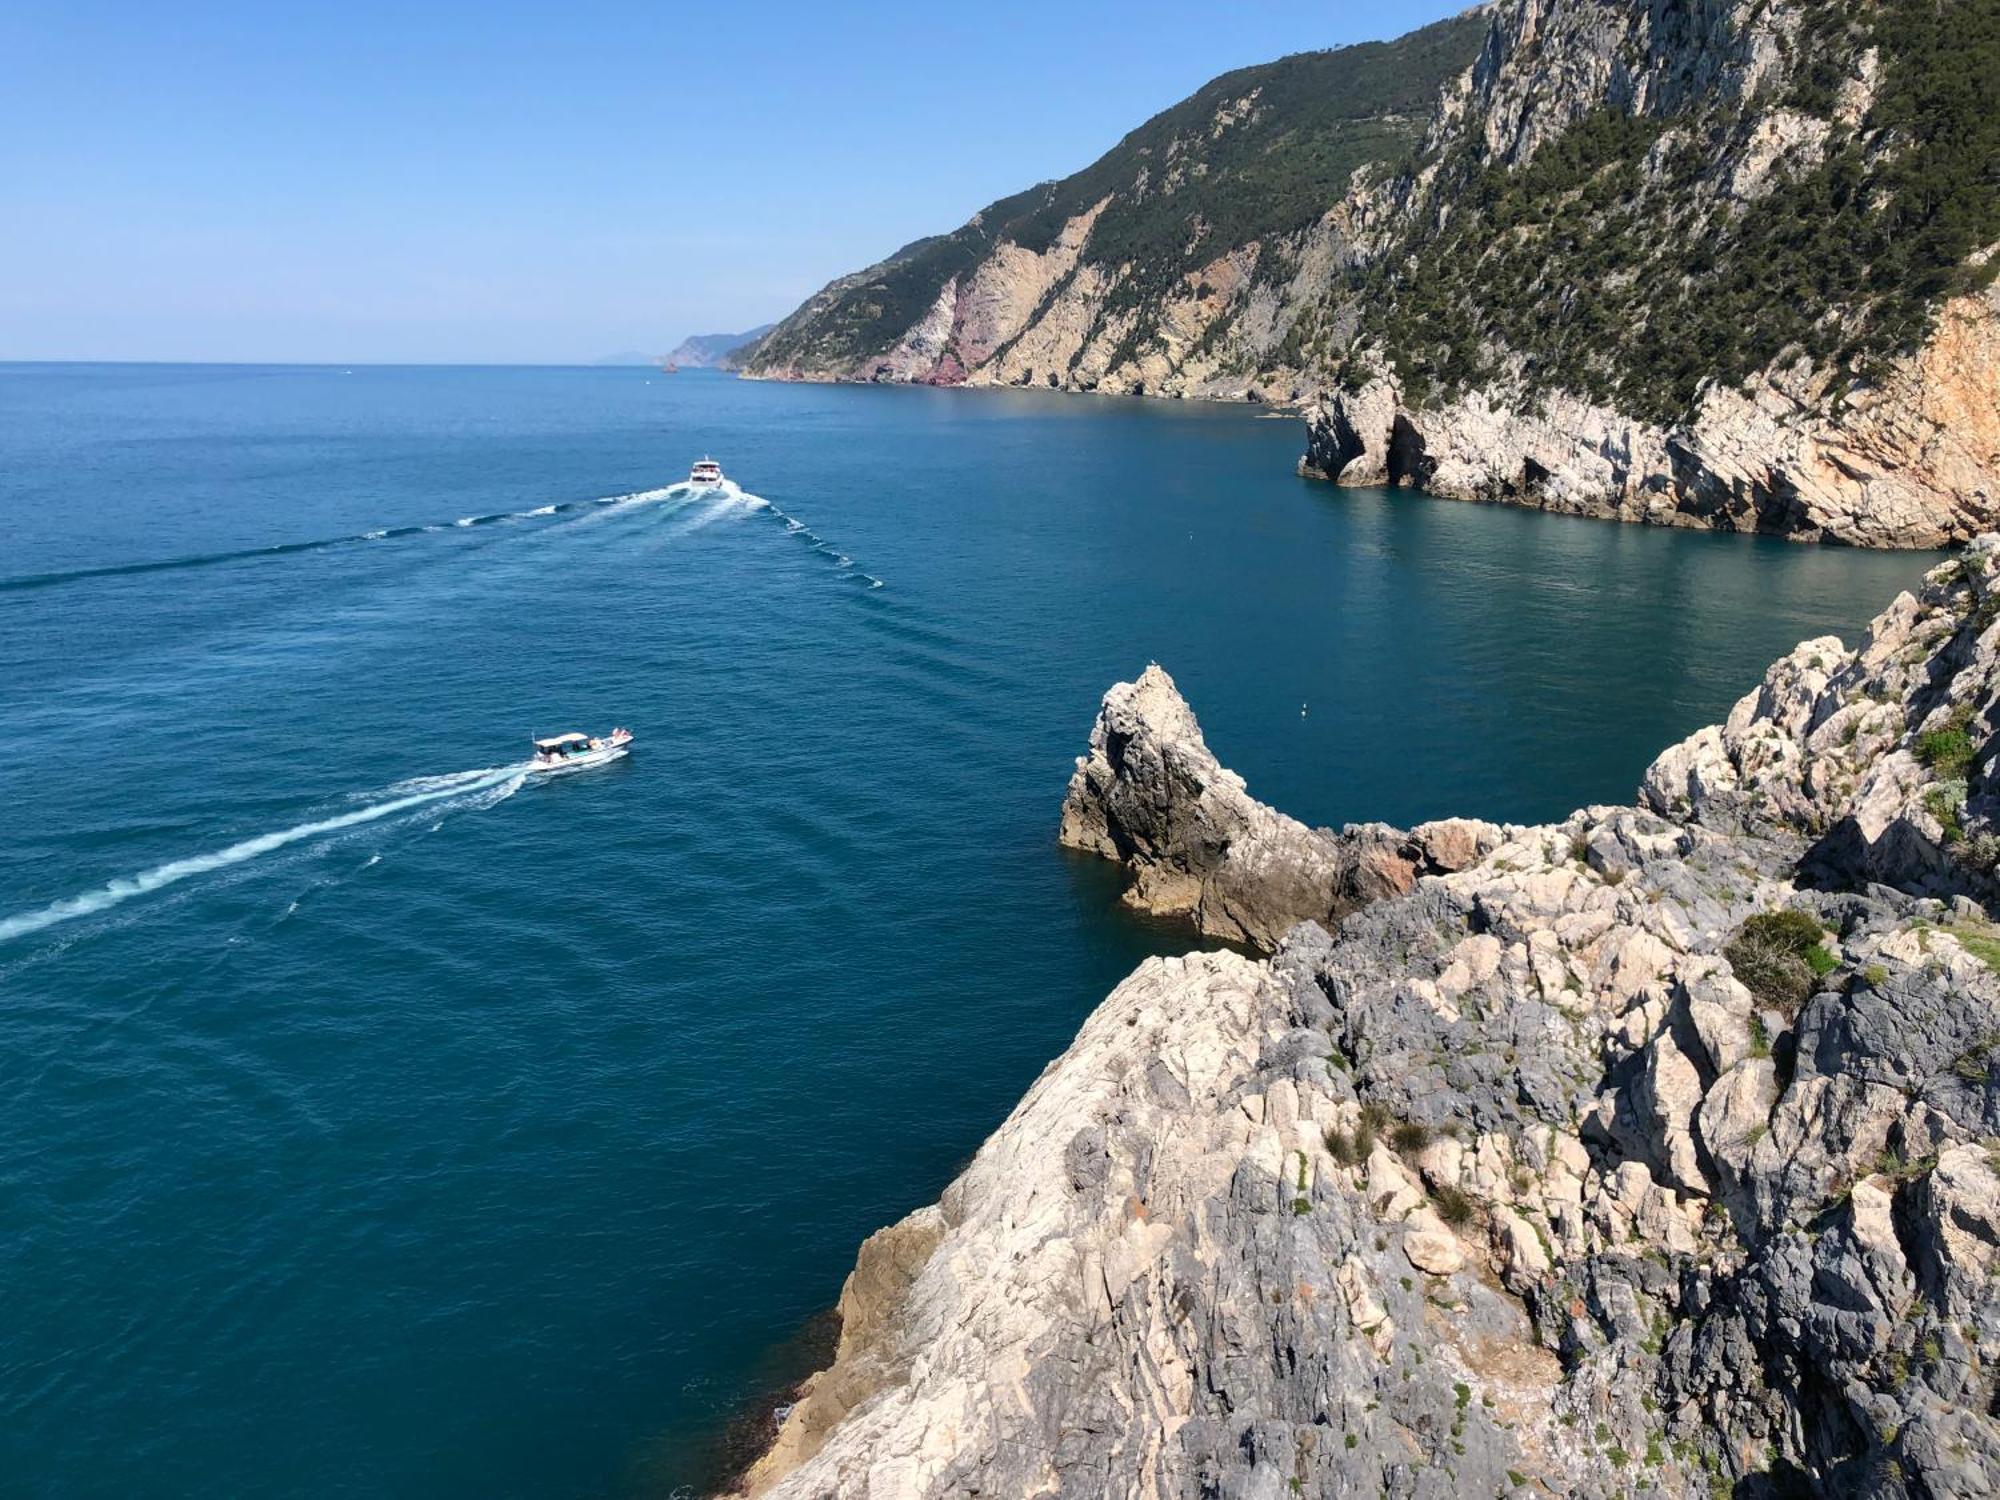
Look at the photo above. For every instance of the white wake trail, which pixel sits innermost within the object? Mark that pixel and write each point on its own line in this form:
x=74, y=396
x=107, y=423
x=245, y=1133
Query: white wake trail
x=502, y=779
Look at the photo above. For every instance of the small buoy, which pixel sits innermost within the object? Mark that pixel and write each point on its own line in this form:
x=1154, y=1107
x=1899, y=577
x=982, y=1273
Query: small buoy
x=1302, y=710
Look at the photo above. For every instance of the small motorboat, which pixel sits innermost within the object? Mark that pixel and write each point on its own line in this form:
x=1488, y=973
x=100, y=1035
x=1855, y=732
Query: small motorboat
x=570, y=752
x=707, y=471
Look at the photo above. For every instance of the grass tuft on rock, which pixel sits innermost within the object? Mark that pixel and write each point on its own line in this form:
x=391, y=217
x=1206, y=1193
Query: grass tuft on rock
x=1948, y=750
x=1453, y=1206
x=1408, y=1138
x=1780, y=956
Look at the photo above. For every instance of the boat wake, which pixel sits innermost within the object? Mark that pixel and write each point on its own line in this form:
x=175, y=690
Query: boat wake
x=324, y=544
x=729, y=497
x=473, y=789
x=796, y=528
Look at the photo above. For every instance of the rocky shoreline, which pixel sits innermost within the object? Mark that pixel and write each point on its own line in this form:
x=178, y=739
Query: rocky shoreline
x=1657, y=1149
x=1914, y=462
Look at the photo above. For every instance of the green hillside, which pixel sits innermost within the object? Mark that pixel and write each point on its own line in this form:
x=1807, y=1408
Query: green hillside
x=1617, y=268
x=1182, y=192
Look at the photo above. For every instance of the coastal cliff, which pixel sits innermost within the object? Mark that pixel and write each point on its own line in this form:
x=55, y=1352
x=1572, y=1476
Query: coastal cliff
x=1726, y=265
x=1658, y=1148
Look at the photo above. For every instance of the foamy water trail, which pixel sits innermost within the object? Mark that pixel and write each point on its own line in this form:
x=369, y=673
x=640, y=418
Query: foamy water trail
x=376, y=534
x=794, y=527
x=478, y=787
x=725, y=497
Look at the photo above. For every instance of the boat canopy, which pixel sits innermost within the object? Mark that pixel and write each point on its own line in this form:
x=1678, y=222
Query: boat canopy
x=557, y=741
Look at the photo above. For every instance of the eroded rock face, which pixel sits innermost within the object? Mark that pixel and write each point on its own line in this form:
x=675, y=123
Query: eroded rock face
x=1882, y=755
x=1151, y=794
x=1508, y=1184
x=1913, y=462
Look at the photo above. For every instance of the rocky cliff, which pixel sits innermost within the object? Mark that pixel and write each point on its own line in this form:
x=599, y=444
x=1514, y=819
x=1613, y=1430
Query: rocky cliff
x=1175, y=263
x=1725, y=264
x=1654, y=1150
x=1719, y=265
x=1151, y=794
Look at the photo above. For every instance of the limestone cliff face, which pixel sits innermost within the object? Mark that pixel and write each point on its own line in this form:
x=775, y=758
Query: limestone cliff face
x=1717, y=265
x=1911, y=462
x=1651, y=1150
x=1178, y=263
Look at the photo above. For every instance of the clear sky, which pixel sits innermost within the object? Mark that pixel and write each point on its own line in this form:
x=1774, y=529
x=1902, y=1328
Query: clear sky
x=431, y=180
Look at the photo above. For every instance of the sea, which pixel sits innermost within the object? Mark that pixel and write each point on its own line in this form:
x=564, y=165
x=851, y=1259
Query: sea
x=377, y=1119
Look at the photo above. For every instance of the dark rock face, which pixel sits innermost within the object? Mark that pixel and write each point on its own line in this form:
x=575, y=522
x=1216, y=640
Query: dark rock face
x=1510, y=1183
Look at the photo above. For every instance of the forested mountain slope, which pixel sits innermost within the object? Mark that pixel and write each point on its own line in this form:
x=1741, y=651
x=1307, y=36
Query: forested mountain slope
x=1704, y=264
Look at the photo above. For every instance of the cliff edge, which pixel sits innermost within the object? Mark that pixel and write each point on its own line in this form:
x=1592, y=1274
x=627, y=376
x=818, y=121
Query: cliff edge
x=1659, y=1147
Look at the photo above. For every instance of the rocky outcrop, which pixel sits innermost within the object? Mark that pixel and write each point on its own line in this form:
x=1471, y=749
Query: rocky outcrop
x=1524, y=1180
x=1911, y=462
x=1882, y=755
x=1151, y=794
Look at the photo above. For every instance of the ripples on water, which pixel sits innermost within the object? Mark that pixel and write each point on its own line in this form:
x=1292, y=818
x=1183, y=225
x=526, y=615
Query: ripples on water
x=432, y=1130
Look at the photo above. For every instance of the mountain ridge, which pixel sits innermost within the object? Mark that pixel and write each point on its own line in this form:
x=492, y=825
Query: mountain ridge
x=716, y=351
x=1725, y=265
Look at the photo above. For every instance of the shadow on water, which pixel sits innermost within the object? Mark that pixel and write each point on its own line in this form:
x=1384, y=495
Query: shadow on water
x=724, y=1455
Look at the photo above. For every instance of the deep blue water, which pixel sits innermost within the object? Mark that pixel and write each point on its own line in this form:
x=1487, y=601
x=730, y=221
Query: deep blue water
x=496, y=1144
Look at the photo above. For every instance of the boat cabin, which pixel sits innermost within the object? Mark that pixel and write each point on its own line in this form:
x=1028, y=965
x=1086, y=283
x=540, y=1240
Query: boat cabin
x=555, y=747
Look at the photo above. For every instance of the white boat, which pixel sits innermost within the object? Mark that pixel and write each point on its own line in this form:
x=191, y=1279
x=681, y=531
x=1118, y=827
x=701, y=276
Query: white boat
x=570, y=752
x=707, y=471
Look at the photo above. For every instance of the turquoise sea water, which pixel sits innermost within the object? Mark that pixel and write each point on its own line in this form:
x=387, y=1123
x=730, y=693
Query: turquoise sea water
x=377, y=1124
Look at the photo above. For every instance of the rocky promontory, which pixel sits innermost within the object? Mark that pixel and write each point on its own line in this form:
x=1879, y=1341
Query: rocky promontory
x=1652, y=1151
x=1151, y=794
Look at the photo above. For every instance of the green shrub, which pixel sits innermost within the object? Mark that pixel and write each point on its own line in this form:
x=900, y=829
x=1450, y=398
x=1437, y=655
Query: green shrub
x=1453, y=1206
x=1341, y=1147
x=1948, y=749
x=1779, y=956
x=1945, y=802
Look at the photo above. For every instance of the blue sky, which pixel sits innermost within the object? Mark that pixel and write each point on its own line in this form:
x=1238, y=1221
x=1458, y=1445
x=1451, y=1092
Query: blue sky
x=528, y=182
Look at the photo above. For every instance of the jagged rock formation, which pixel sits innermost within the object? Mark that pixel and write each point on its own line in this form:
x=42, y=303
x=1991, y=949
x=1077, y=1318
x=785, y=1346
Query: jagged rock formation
x=1723, y=265
x=1151, y=794
x=1560, y=1173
